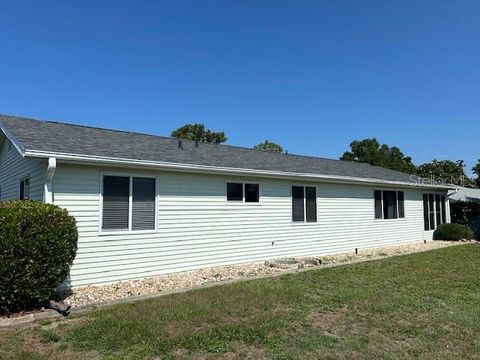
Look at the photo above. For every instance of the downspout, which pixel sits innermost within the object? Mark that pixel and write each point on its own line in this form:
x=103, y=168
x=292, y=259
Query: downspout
x=48, y=193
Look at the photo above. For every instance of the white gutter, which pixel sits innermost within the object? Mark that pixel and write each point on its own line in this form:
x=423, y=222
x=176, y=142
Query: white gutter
x=48, y=192
x=95, y=160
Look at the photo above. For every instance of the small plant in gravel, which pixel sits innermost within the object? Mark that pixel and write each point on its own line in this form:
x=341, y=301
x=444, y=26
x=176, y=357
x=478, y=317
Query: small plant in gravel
x=453, y=232
x=38, y=243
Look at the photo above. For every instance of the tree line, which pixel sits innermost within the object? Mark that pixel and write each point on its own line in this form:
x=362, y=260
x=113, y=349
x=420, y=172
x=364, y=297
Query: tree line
x=198, y=132
x=372, y=152
x=368, y=151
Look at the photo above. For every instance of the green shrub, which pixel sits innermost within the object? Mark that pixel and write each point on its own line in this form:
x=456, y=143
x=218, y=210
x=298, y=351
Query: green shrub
x=38, y=243
x=453, y=232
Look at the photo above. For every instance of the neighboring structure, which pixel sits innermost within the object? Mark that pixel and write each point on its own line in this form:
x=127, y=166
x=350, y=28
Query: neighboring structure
x=464, y=194
x=147, y=205
x=465, y=207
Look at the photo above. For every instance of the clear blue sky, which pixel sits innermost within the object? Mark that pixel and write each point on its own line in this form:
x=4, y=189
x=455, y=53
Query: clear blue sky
x=310, y=75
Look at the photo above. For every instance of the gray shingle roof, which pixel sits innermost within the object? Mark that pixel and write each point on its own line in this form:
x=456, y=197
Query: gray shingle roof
x=49, y=136
x=466, y=194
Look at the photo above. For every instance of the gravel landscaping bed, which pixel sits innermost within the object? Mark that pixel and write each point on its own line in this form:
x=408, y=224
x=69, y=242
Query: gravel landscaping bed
x=91, y=295
x=388, y=251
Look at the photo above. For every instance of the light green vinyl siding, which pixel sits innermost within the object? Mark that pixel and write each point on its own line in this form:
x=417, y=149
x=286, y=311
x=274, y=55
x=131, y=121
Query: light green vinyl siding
x=14, y=167
x=197, y=228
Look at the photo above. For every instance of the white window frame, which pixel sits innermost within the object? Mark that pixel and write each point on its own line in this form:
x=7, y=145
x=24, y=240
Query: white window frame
x=398, y=218
x=304, y=222
x=447, y=210
x=243, y=202
x=130, y=204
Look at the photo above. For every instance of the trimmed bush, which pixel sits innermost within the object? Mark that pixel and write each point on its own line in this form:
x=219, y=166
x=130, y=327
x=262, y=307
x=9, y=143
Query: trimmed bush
x=453, y=232
x=38, y=243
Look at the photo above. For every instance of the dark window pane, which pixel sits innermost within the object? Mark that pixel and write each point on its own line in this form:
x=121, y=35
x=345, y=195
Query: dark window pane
x=311, y=199
x=401, y=204
x=378, y=204
x=252, y=193
x=143, y=205
x=25, y=189
x=389, y=204
x=438, y=209
x=431, y=211
x=444, y=210
x=425, y=213
x=116, y=190
x=297, y=203
x=234, y=191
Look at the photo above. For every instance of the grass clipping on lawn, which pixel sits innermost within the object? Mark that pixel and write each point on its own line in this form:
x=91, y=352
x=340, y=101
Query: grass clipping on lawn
x=420, y=305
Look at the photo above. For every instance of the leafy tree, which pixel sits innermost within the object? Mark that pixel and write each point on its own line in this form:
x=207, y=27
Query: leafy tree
x=200, y=133
x=269, y=146
x=451, y=172
x=372, y=152
x=476, y=171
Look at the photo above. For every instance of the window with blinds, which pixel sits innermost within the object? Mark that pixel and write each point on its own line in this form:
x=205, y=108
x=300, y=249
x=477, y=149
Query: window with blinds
x=298, y=205
x=304, y=204
x=128, y=203
x=143, y=204
x=311, y=204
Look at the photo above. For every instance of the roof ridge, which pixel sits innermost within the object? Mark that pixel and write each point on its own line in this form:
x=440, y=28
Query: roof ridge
x=165, y=137
x=82, y=126
x=193, y=141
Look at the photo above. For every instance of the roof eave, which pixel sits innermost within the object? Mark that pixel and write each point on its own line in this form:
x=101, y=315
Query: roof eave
x=20, y=148
x=207, y=169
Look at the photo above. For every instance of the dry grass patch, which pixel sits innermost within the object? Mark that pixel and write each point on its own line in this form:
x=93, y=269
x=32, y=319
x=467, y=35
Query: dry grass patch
x=329, y=320
x=239, y=352
x=39, y=343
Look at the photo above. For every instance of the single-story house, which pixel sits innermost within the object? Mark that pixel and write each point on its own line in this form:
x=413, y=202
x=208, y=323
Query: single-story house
x=148, y=205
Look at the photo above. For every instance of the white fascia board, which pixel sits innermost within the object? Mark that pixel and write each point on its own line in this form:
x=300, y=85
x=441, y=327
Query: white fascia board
x=207, y=169
x=14, y=141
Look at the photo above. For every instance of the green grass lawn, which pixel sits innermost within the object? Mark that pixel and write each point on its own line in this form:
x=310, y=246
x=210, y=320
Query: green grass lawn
x=425, y=305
